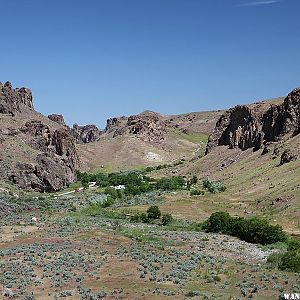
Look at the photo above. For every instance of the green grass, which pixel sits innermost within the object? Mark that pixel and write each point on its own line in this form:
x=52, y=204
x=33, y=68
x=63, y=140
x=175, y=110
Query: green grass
x=193, y=137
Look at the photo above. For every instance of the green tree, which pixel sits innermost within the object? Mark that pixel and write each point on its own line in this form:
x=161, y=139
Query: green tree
x=153, y=212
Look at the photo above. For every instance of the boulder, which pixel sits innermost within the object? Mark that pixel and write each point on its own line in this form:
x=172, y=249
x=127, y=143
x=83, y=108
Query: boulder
x=286, y=157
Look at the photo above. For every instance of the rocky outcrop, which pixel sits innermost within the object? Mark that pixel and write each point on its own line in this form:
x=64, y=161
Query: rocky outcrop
x=283, y=119
x=37, y=155
x=239, y=127
x=247, y=127
x=57, y=118
x=50, y=173
x=12, y=100
x=55, y=166
x=113, y=124
x=86, y=134
x=149, y=128
x=286, y=157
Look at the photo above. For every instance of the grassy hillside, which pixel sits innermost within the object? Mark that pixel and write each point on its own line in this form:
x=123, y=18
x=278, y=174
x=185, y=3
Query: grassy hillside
x=256, y=185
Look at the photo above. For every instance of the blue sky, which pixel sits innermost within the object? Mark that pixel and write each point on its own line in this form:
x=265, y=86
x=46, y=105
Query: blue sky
x=94, y=59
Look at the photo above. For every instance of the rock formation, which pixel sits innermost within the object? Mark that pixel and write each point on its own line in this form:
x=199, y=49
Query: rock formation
x=147, y=127
x=86, y=134
x=36, y=156
x=287, y=157
x=55, y=166
x=283, y=119
x=11, y=100
x=58, y=119
x=113, y=124
x=247, y=127
x=239, y=127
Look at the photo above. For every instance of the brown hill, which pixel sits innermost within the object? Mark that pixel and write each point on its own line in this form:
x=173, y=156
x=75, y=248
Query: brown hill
x=147, y=139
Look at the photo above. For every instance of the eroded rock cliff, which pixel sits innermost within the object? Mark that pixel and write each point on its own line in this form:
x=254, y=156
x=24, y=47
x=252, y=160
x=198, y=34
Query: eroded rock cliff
x=11, y=100
x=247, y=127
x=37, y=154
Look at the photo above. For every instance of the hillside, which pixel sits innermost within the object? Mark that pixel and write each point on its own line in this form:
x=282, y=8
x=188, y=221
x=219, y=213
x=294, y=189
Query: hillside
x=147, y=139
x=260, y=169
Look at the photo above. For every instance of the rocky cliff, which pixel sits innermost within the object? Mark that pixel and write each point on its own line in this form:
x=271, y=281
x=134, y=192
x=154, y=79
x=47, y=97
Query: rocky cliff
x=283, y=119
x=13, y=100
x=38, y=154
x=251, y=126
x=85, y=134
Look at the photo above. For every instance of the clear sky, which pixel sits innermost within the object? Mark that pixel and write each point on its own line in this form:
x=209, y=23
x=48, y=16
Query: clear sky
x=94, y=59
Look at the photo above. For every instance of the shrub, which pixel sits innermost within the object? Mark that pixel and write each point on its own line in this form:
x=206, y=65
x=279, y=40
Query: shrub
x=213, y=186
x=290, y=261
x=144, y=218
x=166, y=219
x=108, y=202
x=293, y=245
x=153, y=212
x=149, y=169
x=192, y=294
x=252, y=230
x=196, y=193
x=113, y=193
x=218, y=222
x=274, y=259
x=85, y=184
x=140, y=217
x=169, y=184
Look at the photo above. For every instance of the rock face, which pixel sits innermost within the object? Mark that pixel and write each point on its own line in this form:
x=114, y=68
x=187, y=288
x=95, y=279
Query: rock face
x=283, y=119
x=37, y=156
x=85, y=134
x=58, y=119
x=11, y=100
x=149, y=128
x=114, y=124
x=247, y=127
x=239, y=127
x=55, y=167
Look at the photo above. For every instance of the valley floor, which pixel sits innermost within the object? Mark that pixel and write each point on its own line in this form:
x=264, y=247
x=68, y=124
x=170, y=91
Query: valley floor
x=73, y=253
